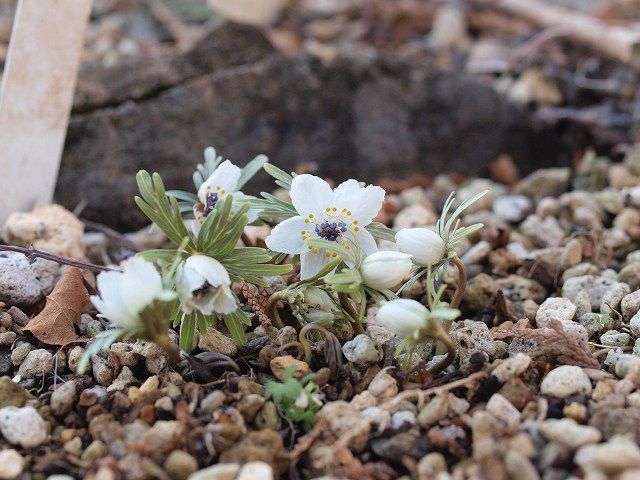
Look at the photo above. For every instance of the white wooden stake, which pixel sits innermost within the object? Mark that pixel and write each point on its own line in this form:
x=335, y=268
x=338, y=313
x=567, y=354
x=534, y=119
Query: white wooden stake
x=36, y=95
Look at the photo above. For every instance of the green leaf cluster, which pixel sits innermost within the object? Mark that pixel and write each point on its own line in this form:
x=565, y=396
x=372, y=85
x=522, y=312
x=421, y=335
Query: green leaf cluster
x=285, y=395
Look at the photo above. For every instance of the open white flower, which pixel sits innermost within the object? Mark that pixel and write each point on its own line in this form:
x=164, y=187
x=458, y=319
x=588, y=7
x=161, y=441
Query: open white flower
x=123, y=295
x=336, y=215
x=426, y=246
x=403, y=316
x=203, y=284
x=382, y=270
x=223, y=181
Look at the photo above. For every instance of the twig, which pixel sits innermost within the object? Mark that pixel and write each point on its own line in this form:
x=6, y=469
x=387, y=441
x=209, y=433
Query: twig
x=32, y=253
x=110, y=232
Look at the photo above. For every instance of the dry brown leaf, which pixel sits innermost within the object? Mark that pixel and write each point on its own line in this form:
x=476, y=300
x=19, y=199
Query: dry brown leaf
x=54, y=325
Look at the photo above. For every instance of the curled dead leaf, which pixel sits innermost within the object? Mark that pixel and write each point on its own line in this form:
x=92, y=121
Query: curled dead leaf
x=54, y=325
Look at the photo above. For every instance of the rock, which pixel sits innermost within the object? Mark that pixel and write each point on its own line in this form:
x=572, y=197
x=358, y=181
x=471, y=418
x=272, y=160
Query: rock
x=613, y=297
x=7, y=338
x=564, y=381
x=518, y=289
x=512, y=208
x=23, y=426
x=512, y=367
x=449, y=30
x=179, y=465
x=480, y=292
x=596, y=287
x=380, y=335
x=123, y=380
x=571, y=254
x=12, y=394
x=545, y=232
x=11, y=464
x=630, y=305
x=286, y=335
x=630, y=275
x=23, y=283
x=469, y=336
x=255, y=471
x=280, y=364
x=383, y=385
x=362, y=350
x=213, y=401
x=613, y=338
x=95, y=450
x=221, y=471
x=634, y=324
x=555, y=309
x=51, y=228
x=596, y=322
x=216, y=341
x=38, y=362
x=416, y=215
x=569, y=433
x=477, y=253
x=616, y=455
x=63, y=397
x=503, y=410
x=548, y=182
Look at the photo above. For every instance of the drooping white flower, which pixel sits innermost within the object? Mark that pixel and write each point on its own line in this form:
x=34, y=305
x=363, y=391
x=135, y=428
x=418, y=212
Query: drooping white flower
x=203, y=284
x=403, y=316
x=426, y=246
x=223, y=181
x=336, y=215
x=382, y=270
x=123, y=295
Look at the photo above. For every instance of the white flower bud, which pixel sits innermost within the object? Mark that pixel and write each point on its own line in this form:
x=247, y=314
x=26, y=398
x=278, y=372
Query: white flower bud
x=402, y=316
x=203, y=284
x=382, y=270
x=426, y=246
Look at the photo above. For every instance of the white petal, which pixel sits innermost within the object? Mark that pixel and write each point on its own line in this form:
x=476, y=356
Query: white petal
x=286, y=237
x=113, y=312
x=208, y=268
x=225, y=302
x=252, y=214
x=370, y=204
x=366, y=241
x=140, y=285
x=311, y=263
x=347, y=195
x=109, y=303
x=310, y=194
x=225, y=177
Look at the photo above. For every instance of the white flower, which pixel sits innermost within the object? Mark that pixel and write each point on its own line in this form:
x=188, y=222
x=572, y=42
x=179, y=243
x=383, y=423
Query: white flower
x=223, y=181
x=203, y=284
x=426, y=246
x=123, y=295
x=337, y=215
x=382, y=270
x=403, y=316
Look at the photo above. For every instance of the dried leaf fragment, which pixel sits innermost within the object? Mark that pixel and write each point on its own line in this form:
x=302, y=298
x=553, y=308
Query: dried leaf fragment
x=54, y=325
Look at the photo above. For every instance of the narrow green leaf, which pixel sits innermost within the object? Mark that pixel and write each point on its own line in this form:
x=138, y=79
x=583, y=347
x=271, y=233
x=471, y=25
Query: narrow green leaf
x=381, y=231
x=282, y=178
x=250, y=169
x=187, y=331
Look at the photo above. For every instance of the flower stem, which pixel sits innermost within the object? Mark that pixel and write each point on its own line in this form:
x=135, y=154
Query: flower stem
x=462, y=282
x=272, y=309
x=346, y=304
x=32, y=253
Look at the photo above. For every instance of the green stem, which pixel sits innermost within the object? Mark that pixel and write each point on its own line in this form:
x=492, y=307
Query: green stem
x=272, y=309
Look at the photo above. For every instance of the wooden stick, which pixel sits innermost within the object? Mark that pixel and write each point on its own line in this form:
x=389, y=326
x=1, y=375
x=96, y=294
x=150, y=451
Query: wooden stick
x=35, y=98
x=617, y=42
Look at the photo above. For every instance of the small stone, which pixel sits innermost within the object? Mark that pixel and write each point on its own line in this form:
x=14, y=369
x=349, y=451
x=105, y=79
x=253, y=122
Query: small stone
x=38, y=362
x=571, y=254
x=469, y=336
x=564, y=381
x=380, y=335
x=477, y=253
x=576, y=411
x=512, y=367
x=596, y=287
x=612, y=358
x=545, y=232
x=12, y=394
x=23, y=283
x=150, y=385
x=480, y=292
x=125, y=353
x=95, y=450
x=630, y=305
x=123, y=380
x=416, y=215
x=11, y=464
x=215, y=341
x=213, y=401
x=383, y=385
x=20, y=352
x=634, y=324
x=280, y=364
x=102, y=370
x=63, y=397
x=75, y=355
x=255, y=471
x=401, y=419
x=618, y=454
x=286, y=335
x=179, y=465
x=362, y=350
x=512, y=208
x=7, y=338
x=568, y=432
x=503, y=410
x=379, y=417
x=630, y=275
x=596, y=322
x=221, y=471
x=613, y=338
x=555, y=309
x=613, y=297
x=23, y=426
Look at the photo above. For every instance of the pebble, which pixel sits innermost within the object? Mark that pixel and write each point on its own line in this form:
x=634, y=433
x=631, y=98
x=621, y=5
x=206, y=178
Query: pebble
x=256, y=471
x=596, y=287
x=37, y=363
x=221, y=471
x=568, y=432
x=545, y=232
x=503, y=410
x=213, y=401
x=416, y=215
x=23, y=426
x=23, y=283
x=11, y=464
x=512, y=208
x=179, y=465
x=469, y=336
x=280, y=364
x=20, y=352
x=612, y=298
x=619, y=453
x=566, y=380
x=123, y=380
x=477, y=253
x=630, y=305
x=216, y=341
x=12, y=394
x=613, y=338
x=362, y=350
x=51, y=228
x=401, y=419
x=596, y=322
x=512, y=367
x=634, y=324
x=63, y=397
x=7, y=338
x=630, y=275
x=379, y=334
x=555, y=308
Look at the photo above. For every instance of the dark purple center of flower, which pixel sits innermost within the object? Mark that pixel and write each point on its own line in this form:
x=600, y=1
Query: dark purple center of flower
x=330, y=230
x=212, y=199
x=203, y=290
